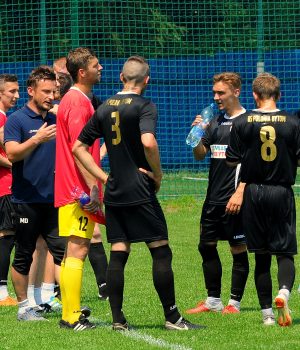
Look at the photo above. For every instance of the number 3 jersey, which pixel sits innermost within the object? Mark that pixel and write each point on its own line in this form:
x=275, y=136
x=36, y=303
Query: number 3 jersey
x=121, y=120
x=268, y=146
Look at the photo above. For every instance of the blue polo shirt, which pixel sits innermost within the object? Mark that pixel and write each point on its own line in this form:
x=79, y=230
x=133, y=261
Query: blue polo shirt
x=33, y=177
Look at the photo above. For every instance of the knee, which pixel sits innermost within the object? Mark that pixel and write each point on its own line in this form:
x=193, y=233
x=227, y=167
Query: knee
x=162, y=253
x=208, y=251
x=238, y=249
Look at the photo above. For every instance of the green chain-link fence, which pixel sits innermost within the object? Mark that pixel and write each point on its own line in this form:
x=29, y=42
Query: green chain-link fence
x=186, y=42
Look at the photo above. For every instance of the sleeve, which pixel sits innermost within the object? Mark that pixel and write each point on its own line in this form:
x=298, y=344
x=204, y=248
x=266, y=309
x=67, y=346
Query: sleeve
x=233, y=151
x=148, y=118
x=92, y=130
x=13, y=130
x=78, y=117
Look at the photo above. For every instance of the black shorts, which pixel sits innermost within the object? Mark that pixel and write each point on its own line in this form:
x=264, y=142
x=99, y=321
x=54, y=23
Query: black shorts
x=216, y=225
x=269, y=218
x=7, y=214
x=33, y=220
x=139, y=223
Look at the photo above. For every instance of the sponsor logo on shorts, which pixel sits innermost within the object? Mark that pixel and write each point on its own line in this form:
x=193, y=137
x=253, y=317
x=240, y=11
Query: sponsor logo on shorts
x=238, y=236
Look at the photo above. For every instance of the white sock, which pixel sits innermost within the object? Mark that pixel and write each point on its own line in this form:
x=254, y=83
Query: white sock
x=213, y=301
x=3, y=291
x=267, y=312
x=285, y=292
x=38, y=295
x=30, y=295
x=47, y=291
x=23, y=305
x=235, y=303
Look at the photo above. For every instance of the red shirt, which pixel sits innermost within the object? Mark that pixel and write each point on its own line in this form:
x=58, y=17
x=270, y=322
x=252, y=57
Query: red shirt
x=5, y=173
x=74, y=111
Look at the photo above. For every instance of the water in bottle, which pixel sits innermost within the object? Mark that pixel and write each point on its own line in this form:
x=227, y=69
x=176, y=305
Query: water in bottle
x=197, y=131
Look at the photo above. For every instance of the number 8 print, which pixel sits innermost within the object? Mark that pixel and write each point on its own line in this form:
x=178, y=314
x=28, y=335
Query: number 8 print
x=268, y=148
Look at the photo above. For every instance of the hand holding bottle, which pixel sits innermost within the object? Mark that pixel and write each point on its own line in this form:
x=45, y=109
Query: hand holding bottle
x=94, y=212
x=199, y=125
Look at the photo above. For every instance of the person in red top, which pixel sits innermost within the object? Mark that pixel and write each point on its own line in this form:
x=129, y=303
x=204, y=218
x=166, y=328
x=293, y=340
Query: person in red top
x=71, y=179
x=9, y=94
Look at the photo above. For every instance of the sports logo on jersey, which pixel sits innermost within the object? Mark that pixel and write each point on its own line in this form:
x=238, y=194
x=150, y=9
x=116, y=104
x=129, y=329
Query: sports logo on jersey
x=218, y=151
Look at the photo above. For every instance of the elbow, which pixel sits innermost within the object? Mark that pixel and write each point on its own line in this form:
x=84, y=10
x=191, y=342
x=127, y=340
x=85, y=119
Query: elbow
x=198, y=156
x=12, y=157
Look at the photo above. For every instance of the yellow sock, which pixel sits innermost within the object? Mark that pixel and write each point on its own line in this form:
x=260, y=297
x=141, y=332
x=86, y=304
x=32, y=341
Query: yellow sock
x=63, y=292
x=72, y=280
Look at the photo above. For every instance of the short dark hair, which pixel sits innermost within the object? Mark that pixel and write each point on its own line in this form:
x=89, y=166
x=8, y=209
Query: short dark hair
x=7, y=78
x=133, y=72
x=78, y=59
x=40, y=73
x=65, y=82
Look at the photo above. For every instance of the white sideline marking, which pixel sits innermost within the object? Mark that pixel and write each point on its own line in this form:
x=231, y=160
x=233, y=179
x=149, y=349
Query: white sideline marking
x=195, y=178
x=154, y=341
x=142, y=336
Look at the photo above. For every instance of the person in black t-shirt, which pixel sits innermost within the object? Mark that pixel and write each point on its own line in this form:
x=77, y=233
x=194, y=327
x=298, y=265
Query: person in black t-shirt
x=127, y=121
x=267, y=143
x=220, y=219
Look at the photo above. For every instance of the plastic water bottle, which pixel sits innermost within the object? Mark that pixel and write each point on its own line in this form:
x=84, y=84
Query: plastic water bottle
x=84, y=199
x=197, y=130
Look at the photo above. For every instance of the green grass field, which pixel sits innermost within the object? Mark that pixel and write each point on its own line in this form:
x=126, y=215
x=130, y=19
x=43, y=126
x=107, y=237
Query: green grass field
x=143, y=311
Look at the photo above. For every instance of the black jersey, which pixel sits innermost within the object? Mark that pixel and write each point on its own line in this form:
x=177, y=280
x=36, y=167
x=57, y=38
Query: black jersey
x=268, y=145
x=222, y=179
x=121, y=120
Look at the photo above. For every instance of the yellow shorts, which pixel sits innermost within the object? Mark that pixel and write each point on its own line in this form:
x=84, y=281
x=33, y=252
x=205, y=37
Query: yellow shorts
x=73, y=221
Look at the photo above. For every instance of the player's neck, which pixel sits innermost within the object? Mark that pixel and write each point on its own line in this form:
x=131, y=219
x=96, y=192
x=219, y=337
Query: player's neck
x=266, y=105
x=36, y=109
x=234, y=110
x=85, y=88
x=3, y=109
x=132, y=88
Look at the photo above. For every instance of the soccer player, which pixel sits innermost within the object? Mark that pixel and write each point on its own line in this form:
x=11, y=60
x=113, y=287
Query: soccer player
x=127, y=122
x=96, y=254
x=267, y=143
x=29, y=137
x=221, y=219
x=9, y=94
x=74, y=111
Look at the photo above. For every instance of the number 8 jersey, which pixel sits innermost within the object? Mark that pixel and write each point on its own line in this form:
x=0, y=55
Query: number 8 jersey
x=268, y=146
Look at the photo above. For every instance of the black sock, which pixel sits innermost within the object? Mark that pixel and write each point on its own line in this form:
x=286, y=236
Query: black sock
x=286, y=272
x=163, y=280
x=115, y=284
x=263, y=281
x=98, y=261
x=6, y=246
x=212, y=269
x=240, y=271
